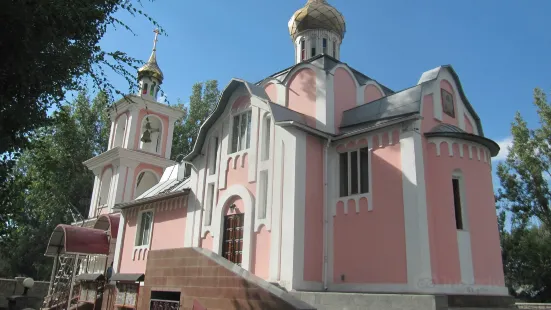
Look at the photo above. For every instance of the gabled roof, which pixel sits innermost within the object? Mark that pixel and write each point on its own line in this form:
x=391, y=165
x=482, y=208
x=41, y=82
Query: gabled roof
x=403, y=103
x=433, y=74
x=327, y=63
x=254, y=91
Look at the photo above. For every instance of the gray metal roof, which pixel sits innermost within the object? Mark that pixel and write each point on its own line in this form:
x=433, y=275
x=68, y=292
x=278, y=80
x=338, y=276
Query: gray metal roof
x=328, y=63
x=433, y=74
x=451, y=131
x=254, y=90
x=399, y=104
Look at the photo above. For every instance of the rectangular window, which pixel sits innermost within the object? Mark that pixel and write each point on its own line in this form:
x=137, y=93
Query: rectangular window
x=354, y=172
x=457, y=204
x=313, y=52
x=334, y=49
x=302, y=50
x=209, y=204
x=267, y=140
x=364, y=170
x=447, y=103
x=241, y=132
x=214, y=156
x=324, y=45
x=144, y=230
x=263, y=182
x=343, y=161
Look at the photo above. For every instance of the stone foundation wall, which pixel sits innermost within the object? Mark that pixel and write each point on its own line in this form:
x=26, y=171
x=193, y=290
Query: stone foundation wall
x=10, y=287
x=211, y=282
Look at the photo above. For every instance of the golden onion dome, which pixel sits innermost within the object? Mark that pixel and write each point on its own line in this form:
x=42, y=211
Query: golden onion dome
x=151, y=68
x=317, y=14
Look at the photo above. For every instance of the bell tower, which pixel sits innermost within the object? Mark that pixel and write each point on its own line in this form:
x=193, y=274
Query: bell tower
x=140, y=143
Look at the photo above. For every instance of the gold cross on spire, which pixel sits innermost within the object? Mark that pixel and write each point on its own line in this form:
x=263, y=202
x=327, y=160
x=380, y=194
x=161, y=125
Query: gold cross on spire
x=156, y=39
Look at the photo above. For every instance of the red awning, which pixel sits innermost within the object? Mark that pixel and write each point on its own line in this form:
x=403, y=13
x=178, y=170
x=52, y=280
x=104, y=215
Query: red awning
x=67, y=239
x=109, y=221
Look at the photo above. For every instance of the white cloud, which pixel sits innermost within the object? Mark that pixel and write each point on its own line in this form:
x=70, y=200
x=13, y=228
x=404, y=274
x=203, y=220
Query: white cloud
x=504, y=146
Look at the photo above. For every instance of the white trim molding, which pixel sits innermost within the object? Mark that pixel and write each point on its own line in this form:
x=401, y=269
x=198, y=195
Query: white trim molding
x=217, y=221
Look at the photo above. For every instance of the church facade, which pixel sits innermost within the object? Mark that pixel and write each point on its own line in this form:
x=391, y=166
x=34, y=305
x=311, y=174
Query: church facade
x=317, y=178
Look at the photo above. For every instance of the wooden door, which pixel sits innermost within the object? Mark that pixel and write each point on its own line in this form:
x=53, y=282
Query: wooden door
x=232, y=247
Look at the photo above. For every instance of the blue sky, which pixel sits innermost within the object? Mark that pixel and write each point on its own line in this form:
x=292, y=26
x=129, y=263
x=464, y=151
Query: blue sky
x=499, y=48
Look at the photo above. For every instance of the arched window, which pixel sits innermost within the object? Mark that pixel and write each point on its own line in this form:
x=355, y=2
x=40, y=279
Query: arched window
x=144, y=90
x=266, y=137
x=325, y=45
x=145, y=181
x=302, y=49
x=151, y=141
x=105, y=186
x=119, y=131
x=152, y=91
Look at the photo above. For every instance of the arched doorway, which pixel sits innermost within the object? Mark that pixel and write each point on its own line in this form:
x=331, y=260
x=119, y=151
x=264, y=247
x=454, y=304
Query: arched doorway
x=234, y=213
x=234, y=224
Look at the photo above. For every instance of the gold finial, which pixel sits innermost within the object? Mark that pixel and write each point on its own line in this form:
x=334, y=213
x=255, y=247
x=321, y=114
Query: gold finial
x=156, y=31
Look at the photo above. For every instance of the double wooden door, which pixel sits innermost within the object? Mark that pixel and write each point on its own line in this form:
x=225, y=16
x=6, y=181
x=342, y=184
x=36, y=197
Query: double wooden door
x=232, y=247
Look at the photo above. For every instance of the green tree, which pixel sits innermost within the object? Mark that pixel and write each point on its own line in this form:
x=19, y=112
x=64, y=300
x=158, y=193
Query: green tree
x=50, y=183
x=524, y=196
x=49, y=48
x=525, y=173
x=204, y=98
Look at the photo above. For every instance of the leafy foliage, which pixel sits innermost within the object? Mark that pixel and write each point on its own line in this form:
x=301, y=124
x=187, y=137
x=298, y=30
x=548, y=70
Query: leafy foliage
x=524, y=196
x=525, y=173
x=49, y=48
x=50, y=184
x=203, y=100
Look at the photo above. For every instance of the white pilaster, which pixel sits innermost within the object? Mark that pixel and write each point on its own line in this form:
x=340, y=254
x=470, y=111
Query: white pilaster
x=169, y=137
x=119, y=244
x=94, y=200
x=415, y=207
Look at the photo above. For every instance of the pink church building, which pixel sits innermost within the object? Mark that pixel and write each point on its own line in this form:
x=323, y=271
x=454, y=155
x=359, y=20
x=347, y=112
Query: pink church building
x=318, y=178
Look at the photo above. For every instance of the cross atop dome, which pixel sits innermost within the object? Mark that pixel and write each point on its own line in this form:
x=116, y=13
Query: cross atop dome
x=317, y=28
x=150, y=76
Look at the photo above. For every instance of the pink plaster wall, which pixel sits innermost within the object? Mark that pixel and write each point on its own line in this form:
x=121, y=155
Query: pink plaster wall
x=261, y=254
x=302, y=94
x=164, y=120
x=169, y=226
x=206, y=242
x=480, y=206
x=377, y=237
x=141, y=167
x=241, y=103
x=271, y=90
x=468, y=125
x=313, y=226
x=371, y=93
x=239, y=175
x=345, y=94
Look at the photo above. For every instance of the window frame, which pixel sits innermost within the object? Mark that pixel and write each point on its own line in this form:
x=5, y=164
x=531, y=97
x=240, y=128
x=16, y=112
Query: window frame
x=443, y=92
x=302, y=49
x=347, y=172
x=457, y=176
x=139, y=228
x=266, y=137
x=239, y=134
